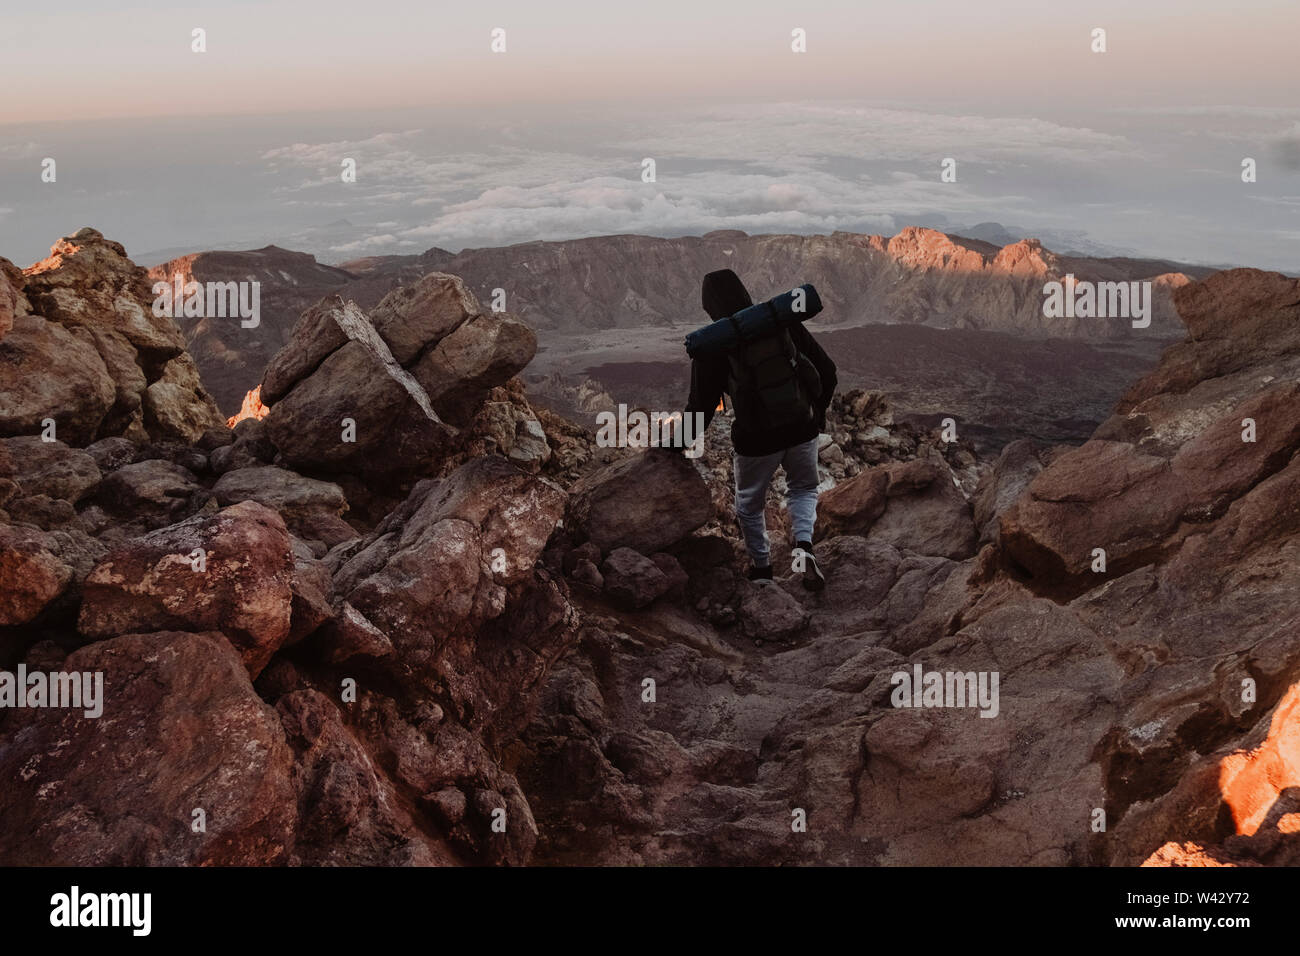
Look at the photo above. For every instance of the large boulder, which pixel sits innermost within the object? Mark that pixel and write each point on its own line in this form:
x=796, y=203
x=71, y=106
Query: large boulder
x=407, y=378
x=182, y=739
x=647, y=502
x=1137, y=500
x=47, y=372
x=243, y=588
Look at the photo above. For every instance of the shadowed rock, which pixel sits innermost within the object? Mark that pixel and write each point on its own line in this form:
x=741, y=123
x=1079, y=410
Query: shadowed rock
x=181, y=730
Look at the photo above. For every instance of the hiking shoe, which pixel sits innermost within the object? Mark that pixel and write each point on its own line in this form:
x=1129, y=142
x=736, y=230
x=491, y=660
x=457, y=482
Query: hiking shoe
x=760, y=574
x=813, y=579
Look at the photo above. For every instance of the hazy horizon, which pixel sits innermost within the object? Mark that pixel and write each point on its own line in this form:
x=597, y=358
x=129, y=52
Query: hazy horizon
x=1134, y=151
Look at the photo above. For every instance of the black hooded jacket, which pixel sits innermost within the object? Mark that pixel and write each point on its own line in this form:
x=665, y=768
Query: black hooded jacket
x=724, y=294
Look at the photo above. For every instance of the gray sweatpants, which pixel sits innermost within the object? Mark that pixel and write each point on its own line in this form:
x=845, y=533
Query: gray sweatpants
x=754, y=475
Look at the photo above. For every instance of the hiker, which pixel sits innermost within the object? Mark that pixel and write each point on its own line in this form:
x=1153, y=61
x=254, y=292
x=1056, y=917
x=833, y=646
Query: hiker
x=780, y=387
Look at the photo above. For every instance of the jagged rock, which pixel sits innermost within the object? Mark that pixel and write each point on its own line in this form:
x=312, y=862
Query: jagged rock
x=406, y=404
x=348, y=634
x=394, y=436
x=517, y=433
x=350, y=812
x=1114, y=496
x=445, y=563
x=176, y=406
x=647, y=502
x=244, y=591
x=88, y=281
x=313, y=593
x=94, y=357
x=1017, y=465
x=412, y=316
x=484, y=352
x=632, y=579
x=314, y=337
x=181, y=731
x=429, y=755
x=31, y=573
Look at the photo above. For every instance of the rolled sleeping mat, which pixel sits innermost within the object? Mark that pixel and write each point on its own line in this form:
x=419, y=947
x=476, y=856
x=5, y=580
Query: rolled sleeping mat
x=723, y=335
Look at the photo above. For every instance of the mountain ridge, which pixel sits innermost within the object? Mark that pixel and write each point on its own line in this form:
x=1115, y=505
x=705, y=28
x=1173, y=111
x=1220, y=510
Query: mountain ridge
x=917, y=276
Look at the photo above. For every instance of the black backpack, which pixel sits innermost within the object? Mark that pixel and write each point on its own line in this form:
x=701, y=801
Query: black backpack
x=772, y=384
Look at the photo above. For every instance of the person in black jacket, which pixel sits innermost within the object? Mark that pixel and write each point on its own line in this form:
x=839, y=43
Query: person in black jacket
x=760, y=449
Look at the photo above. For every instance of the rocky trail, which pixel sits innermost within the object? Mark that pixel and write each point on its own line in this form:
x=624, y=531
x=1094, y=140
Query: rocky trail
x=405, y=618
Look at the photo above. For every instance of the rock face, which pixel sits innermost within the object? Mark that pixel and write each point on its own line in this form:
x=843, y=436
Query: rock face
x=31, y=573
x=383, y=397
x=86, y=350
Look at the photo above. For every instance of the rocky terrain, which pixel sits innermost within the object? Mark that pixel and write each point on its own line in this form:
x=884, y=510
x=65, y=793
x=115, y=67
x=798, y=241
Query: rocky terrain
x=396, y=615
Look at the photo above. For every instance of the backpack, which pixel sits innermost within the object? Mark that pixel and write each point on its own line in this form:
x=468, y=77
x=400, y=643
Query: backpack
x=772, y=384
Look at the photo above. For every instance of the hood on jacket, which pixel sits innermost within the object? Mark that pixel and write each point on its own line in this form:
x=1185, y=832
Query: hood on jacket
x=724, y=294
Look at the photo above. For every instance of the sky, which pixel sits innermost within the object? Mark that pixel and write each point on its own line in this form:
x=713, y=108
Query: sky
x=1136, y=150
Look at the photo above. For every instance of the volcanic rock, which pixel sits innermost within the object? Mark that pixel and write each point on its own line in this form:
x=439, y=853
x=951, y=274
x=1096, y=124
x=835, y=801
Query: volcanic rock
x=181, y=732
x=243, y=588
